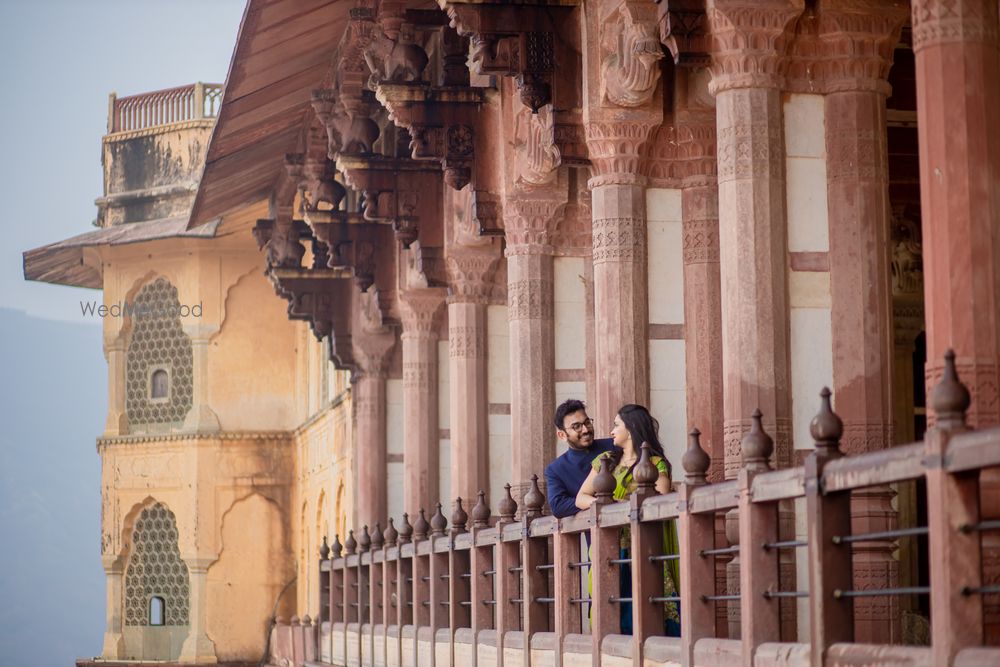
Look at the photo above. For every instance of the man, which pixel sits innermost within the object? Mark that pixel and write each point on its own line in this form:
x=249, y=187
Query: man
x=565, y=475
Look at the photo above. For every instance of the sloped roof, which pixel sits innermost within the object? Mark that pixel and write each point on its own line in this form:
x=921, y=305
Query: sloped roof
x=62, y=262
x=283, y=52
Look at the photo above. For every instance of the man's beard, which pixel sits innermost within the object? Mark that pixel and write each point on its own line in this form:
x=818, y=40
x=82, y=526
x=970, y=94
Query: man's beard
x=582, y=441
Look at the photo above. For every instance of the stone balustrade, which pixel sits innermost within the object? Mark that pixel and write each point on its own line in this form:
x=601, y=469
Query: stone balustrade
x=511, y=589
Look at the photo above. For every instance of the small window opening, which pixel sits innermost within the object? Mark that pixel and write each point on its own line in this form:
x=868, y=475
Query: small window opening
x=160, y=384
x=156, y=607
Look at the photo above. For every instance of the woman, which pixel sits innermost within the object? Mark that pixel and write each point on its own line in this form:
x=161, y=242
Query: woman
x=634, y=426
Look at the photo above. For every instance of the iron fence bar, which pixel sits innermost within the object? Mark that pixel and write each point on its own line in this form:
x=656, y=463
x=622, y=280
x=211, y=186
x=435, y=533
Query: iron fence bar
x=880, y=535
x=489, y=573
x=877, y=592
x=719, y=552
x=550, y=566
x=619, y=561
x=785, y=594
x=786, y=544
x=515, y=568
x=665, y=598
x=489, y=602
x=618, y=599
x=466, y=575
x=425, y=578
x=982, y=525
x=465, y=603
x=711, y=598
x=654, y=559
x=445, y=576
x=980, y=590
x=545, y=600
x=578, y=600
x=582, y=563
x=516, y=600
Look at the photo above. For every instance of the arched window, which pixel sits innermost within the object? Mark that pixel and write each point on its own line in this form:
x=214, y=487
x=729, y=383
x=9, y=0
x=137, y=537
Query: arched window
x=159, y=384
x=155, y=610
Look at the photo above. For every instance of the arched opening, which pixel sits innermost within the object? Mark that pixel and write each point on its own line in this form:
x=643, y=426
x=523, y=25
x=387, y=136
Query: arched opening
x=159, y=384
x=156, y=607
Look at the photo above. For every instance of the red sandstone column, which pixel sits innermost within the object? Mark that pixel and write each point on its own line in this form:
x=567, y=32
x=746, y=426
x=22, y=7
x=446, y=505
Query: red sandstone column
x=750, y=39
x=860, y=38
x=421, y=435
x=958, y=66
x=470, y=272
x=371, y=350
x=702, y=290
x=623, y=104
x=530, y=220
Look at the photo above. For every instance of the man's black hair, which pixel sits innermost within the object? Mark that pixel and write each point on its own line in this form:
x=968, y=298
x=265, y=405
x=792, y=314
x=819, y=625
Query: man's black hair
x=567, y=408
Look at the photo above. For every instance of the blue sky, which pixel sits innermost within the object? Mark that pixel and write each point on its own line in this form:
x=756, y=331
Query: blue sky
x=59, y=59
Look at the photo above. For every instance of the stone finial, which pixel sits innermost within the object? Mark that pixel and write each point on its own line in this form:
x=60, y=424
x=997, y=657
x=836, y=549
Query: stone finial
x=351, y=545
x=378, y=541
x=508, y=506
x=604, y=483
x=307, y=621
x=336, y=548
x=756, y=446
x=645, y=473
x=481, y=512
x=405, y=530
x=459, y=518
x=695, y=460
x=295, y=620
x=950, y=397
x=826, y=427
x=279, y=620
x=390, y=534
x=438, y=523
x=533, y=500
x=421, y=527
x=324, y=550
x=365, y=543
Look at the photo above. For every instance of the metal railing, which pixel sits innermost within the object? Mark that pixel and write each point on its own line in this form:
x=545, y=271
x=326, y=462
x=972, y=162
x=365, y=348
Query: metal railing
x=163, y=107
x=396, y=597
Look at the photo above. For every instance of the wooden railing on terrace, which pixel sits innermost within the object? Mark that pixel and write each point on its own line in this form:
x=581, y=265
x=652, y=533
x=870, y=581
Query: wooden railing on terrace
x=510, y=593
x=163, y=107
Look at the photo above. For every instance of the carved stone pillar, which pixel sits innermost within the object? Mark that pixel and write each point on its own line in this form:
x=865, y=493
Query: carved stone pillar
x=957, y=65
x=622, y=108
x=529, y=223
x=750, y=40
x=470, y=272
x=372, y=351
x=421, y=435
x=114, y=644
x=747, y=77
x=198, y=647
x=117, y=422
x=702, y=290
x=860, y=38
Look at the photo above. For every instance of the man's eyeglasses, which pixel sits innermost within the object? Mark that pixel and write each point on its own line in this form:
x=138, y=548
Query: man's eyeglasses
x=576, y=427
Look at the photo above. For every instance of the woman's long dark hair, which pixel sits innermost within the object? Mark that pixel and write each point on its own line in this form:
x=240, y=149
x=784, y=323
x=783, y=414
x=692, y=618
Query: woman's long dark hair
x=643, y=428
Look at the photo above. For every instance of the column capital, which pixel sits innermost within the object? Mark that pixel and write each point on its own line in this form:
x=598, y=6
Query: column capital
x=857, y=38
x=696, y=147
x=530, y=220
x=420, y=310
x=372, y=352
x=470, y=274
x=616, y=141
x=958, y=21
x=750, y=37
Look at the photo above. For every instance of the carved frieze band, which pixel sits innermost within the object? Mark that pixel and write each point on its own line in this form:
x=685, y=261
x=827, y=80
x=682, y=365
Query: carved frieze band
x=417, y=375
x=733, y=431
x=616, y=150
x=855, y=154
x=701, y=241
x=936, y=22
x=751, y=146
x=619, y=239
x=530, y=299
x=420, y=313
x=530, y=225
x=466, y=342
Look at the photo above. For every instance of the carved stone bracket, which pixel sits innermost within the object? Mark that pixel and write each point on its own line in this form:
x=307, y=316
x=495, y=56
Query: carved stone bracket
x=350, y=131
x=630, y=55
x=518, y=41
x=441, y=121
x=390, y=188
x=684, y=31
x=536, y=153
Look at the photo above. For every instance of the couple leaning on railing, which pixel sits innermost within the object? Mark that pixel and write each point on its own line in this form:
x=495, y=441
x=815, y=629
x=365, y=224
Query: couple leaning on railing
x=588, y=467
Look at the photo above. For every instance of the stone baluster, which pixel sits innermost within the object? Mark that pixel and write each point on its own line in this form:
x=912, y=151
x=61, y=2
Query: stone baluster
x=697, y=534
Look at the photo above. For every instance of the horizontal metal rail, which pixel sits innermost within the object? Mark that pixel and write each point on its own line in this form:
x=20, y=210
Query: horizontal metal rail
x=665, y=598
x=785, y=594
x=879, y=592
x=981, y=526
x=786, y=544
x=880, y=535
x=714, y=598
x=722, y=551
x=655, y=559
x=980, y=590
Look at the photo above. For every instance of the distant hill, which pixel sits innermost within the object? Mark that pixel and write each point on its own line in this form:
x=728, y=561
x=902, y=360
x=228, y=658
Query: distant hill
x=53, y=397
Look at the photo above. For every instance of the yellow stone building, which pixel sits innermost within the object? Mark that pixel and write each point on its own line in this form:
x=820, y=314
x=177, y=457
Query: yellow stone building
x=227, y=425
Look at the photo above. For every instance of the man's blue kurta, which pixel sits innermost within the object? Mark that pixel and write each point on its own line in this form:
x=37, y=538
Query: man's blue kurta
x=565, y=475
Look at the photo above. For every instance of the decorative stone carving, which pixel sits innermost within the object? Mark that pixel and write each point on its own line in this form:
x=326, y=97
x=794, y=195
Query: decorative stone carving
x=907, y=256
x=683, y=30
x=392, y=60
x=320, y=186
x=750, y=40
x=631, y=53
x=470, y=272
x=537, y=156
x=857, y=38
x=529, y=229
x=616, y=149
x=155, y=569
x=958, y=21
x=347, y=132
